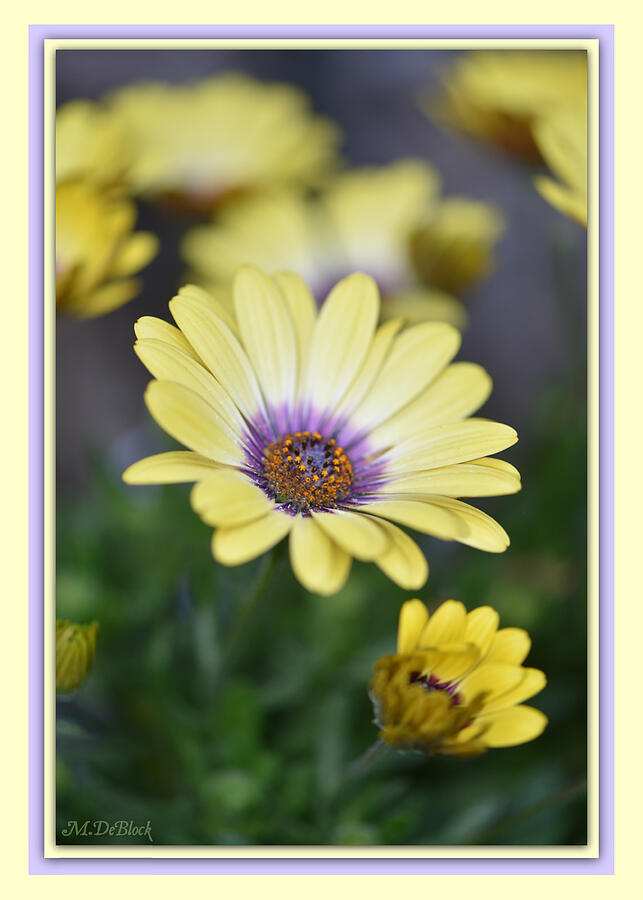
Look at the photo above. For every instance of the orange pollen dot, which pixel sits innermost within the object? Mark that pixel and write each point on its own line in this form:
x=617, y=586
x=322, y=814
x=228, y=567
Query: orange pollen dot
x=296, y=471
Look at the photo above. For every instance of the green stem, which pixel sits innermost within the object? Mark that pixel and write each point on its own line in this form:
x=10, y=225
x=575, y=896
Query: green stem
x=488, y=835
x=249, y=608
x=360, y=765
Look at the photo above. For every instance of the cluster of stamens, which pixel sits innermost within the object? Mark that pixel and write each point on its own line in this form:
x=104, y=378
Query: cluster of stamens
x=433, y=683
x=306, y=471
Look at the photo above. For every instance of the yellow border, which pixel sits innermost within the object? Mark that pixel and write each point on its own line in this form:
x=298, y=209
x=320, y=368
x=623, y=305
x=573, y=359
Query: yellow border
x=78, y=852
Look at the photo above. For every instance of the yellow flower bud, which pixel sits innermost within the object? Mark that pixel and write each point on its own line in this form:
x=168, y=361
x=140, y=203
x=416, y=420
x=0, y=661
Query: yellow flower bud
x=75, y=646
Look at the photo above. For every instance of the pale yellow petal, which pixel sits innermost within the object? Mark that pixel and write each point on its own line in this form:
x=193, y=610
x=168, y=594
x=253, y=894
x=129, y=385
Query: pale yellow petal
x=428, y=519
x=403, y=562
x=343, y=334
x=170, y=468
x=303, y=312
x=192, y=421
x=318, y=563
x=134, y=253
x=234, y=546
x=478, y=478
x=413, y=618
x=377, y=352
x=157, y=329
x=533, y=681
x=445, y=626
x=482, y=625
x=217, y=298
x=359, y=535
x=512, y=726
x=455, y=394
x=220, y=351
x=228, y=498
x=418, y=354
x=510, y=645
x=167, y=363
x=452, y=443
x=483, y=532
x=268, y=335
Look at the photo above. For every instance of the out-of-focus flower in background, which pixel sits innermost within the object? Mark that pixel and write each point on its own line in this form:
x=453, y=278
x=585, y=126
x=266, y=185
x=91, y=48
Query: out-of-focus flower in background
x=75, y=648
x=456, y=684
x=317, y=425
x=91, y=144
x=389, y=222
x=196, y=145
x=96, y=249
x=562, y=140
x=498, y=95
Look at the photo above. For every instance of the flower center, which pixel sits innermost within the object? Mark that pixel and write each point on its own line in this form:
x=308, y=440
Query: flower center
x=433, y=683
x=306, y=471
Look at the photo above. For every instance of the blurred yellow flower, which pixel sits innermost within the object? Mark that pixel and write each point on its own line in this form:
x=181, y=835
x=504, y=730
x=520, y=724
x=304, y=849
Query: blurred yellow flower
x=497, y=95
x=386, y=221
x=455, y=685
x=562, y=139
x=91, y=144
x=317, y=425
x=75, y=647
x=96, y=250
x=197, y=144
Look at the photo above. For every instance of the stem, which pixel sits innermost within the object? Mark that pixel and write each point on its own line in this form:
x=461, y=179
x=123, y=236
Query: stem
x=249, y=608
x=362, y=763
x=488, y=835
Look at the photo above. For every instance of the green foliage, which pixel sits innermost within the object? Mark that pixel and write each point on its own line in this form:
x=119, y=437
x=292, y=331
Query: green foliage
x=251, y=744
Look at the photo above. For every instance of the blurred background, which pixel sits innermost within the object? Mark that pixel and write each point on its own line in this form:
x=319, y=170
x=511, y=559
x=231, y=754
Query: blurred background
x=251, y=746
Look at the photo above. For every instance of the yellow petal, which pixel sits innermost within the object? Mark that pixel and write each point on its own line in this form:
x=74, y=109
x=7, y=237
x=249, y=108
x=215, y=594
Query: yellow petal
x=157, y=329
x=413, y=618
x=377, y=352
x=452, y=443
x=359, y=535
x=135, y=253
x=445, y=626
x=423, y=517
x=268, y=335
x=342, y=337
x=234, y=546
x=491, y=679
x=510, y=645
x=485, y=477
x=455, y=394
x=303, y=312
x=220, y=351
x=416, y=357
x=228, y=498
x=512, y=726
x=190, y=420
x=482, y=624
x=483, y=532
x=318, y=563
x=168, y=363
x=170, y=468
x=403, y=562
x=451, y=661
x=533, y=681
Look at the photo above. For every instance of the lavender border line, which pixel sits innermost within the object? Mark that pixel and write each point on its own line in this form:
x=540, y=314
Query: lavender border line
x=38, y=865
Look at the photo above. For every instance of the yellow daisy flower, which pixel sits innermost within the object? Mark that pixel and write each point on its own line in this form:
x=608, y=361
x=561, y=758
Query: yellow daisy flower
x=96, y=251
x=91, y=144
x=562, y=139
x=197, y=144
x=387, y=221
x=497, y=95
x=320, y=426
x=75, y=648
x=455, y=685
